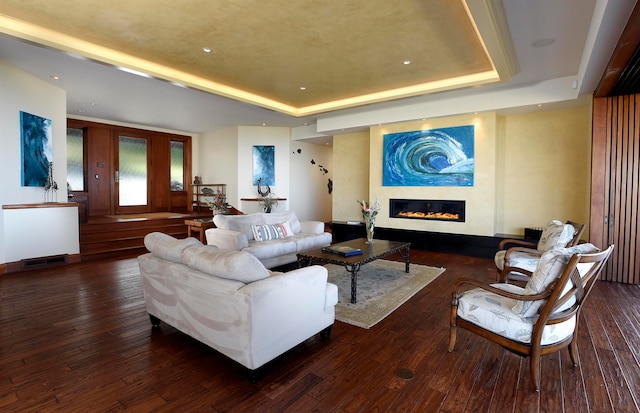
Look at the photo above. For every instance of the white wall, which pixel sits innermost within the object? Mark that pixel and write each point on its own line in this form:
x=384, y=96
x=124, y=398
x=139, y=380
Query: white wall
x=215, y=160
x=226, y=156
x=20, y=91
x=311, y=169
x=248, y=137
x=480, y=198
x=351, y=175
x=529, y=168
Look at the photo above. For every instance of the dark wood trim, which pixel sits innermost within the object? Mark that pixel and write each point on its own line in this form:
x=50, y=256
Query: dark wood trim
x=44, y=205
x=628, y=44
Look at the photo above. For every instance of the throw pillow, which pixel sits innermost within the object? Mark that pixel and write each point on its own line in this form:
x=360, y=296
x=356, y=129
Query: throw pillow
x=268, y=232
x=551, y=265
x=556, y=234
x=167, y=247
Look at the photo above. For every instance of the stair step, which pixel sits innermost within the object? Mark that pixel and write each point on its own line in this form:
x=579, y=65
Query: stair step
x=109, y=239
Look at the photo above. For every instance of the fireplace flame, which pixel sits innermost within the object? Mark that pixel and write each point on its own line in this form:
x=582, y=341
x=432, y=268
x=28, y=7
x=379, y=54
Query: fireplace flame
x=430, y=215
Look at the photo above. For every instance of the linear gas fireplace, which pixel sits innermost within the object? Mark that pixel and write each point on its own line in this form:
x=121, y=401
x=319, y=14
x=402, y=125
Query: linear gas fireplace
x=431, y=209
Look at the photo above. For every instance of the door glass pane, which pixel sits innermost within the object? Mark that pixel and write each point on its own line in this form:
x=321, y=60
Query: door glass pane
x=133, y=171
x=75, y=170
x=177, y=166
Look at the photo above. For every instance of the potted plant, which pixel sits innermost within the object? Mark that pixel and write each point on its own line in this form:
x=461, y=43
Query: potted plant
x=268, y=201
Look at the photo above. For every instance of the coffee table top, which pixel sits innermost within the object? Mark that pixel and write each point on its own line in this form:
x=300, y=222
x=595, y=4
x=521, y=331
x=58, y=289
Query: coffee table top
x=370, y=252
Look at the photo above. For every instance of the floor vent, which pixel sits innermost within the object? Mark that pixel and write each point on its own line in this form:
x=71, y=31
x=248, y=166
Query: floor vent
x=43, y=262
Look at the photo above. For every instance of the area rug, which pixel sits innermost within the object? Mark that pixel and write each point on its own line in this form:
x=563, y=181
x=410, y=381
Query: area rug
x=383, y=286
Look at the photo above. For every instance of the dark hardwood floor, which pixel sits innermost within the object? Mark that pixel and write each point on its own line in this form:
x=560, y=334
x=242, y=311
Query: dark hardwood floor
x=76, y=338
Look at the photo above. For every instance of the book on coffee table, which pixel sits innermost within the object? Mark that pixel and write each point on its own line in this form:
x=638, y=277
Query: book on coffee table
x=343, y=250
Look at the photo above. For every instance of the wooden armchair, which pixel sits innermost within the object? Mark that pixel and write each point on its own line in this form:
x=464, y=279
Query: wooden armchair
x=516, y=259
x=541, y=318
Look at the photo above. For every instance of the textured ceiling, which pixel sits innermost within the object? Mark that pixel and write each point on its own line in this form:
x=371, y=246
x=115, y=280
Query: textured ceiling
x=342, y=52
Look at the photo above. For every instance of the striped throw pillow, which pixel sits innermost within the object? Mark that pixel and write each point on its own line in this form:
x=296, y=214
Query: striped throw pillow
x=267, y=232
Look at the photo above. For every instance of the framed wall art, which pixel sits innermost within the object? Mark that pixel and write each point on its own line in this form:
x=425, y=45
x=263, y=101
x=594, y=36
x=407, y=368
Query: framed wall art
x=264, y=165
x=35, y=149
x=434, y=157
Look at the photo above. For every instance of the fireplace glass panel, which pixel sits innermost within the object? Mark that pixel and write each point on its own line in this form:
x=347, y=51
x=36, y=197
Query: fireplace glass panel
x=429, y=209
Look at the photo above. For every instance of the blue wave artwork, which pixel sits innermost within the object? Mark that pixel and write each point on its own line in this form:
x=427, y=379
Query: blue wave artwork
x=434, y=157
x=35, y=148
x=264, y=165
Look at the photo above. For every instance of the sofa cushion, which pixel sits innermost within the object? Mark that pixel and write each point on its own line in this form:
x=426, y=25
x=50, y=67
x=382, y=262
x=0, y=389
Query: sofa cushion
x=279, y=217
x=273, y=248
x=232, y=265
x=266, y=232
x=555, y=234
x=551, y=265
x=167, y=247
x=240, y=223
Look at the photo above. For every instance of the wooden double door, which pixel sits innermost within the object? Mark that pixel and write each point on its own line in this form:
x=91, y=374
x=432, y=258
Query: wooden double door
x=131, y=171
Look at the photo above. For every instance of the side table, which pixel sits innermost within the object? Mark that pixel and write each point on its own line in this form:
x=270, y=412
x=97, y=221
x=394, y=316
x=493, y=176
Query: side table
x=199, y=225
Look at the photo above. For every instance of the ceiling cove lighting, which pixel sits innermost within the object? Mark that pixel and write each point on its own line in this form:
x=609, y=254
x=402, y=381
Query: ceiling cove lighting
x=133, y=72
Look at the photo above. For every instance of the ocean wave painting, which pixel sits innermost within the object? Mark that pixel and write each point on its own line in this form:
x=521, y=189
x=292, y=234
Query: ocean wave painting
x=35, y=148
x=434, y=157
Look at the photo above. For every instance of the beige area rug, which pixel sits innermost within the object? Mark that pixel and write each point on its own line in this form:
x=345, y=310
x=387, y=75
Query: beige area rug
x=149, y=215
x=383, y=286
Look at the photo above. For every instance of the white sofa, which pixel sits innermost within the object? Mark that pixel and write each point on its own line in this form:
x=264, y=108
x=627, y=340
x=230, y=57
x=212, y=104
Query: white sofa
x=273, y=238
x=229, y=301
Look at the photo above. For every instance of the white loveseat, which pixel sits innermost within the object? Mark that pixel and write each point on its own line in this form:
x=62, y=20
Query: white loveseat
x=273, y=238
x=229, y=301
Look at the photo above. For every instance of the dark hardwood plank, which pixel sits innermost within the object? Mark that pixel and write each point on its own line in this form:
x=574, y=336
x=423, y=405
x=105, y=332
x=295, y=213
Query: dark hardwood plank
x=77, y=338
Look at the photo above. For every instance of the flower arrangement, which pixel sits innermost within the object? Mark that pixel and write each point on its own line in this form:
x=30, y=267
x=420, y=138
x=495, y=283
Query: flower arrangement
x=218, y=203
x=369, y=213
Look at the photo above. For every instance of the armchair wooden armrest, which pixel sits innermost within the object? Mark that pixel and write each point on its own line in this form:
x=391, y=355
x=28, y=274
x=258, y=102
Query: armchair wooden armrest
x=504, y=244
x=514, y=274
x=458, y=290
x=531, y=251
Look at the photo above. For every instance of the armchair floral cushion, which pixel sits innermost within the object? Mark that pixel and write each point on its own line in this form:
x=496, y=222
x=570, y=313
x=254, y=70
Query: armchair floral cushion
x=550, y=267
x=494, y=313
x=555, y=234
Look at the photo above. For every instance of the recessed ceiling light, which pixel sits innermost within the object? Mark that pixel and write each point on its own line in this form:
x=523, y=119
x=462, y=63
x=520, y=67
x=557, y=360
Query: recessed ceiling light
x=544, y=42
x=303, y=88
x=206, y=50
x=406, y=62
x=55, y=77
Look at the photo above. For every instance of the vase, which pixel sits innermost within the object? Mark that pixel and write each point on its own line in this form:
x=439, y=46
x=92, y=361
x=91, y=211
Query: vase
x=369, y=225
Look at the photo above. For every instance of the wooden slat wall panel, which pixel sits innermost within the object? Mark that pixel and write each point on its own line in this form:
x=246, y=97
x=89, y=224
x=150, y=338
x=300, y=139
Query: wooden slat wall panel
x=615, y=182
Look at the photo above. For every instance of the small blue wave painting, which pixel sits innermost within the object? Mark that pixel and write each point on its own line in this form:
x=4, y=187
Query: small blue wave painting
x=434, y=157
x=35, y=149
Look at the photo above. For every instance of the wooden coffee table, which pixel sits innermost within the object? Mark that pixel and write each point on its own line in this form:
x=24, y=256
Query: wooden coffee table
x=370, y=252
